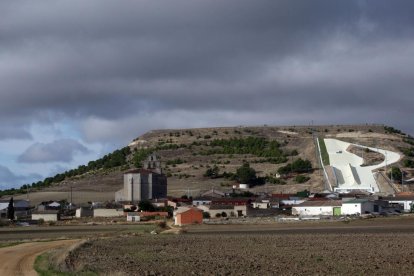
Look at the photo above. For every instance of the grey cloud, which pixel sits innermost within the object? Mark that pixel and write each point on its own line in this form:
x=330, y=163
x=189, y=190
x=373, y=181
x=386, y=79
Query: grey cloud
x=58, y=151
x=12, y=132
x=7, y=177
x=126, y=60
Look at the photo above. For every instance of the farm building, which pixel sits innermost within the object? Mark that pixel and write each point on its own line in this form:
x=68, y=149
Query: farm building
x=201, y=201
x=261, y=203
x=318, y=208
x=188, y=216
x=84, y=212
x=159, y=203
x=213, y=193
x=231, y=201
x=229, y=210
x=47, y=215
x=133, y=216
x=405, y=201
x=265, y=203
x=21, y=208
x=361, y=206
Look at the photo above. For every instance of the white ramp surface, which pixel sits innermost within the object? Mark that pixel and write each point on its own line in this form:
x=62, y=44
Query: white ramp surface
x=347, y=166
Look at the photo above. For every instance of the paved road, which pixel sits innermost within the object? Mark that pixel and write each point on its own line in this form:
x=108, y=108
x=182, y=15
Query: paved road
x=19, y=259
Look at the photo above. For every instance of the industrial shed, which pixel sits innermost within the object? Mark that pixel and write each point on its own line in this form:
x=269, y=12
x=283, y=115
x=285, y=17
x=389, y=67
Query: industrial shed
x=318, y=208
x=189, y=216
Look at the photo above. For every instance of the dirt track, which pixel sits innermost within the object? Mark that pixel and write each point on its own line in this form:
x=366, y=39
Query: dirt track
x=19, y=259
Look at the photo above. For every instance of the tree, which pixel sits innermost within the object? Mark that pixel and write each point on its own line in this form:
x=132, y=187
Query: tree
x=246, y=175
x=10, y=210
x=145, y=205
x=212, y=172
x=395, y=174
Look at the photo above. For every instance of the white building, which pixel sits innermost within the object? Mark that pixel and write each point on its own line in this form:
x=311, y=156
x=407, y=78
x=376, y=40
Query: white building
x=21, y=208
x=133, y=217
x=83, y=212
x=47, y=215
x=405, y=201
x=361, y=206
x=318, y=208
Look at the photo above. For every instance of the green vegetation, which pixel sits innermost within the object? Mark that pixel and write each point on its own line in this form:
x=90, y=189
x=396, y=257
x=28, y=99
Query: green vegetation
x=273, y=180
x=139, y=156
x=145, y=205
x=175, y=162
x=7, y=244
x=298, y=166
x=408, y=163
x=213, y=172
x=44, y=267
x=246, y=175
x=301, y=179
x=395, y=174
x=10, y=209
x=114, y=159
x=392, y=130
x=251, y=145
x=324, y=152
x=408, y=151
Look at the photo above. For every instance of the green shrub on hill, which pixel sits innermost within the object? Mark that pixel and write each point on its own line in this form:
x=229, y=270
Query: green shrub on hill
x=298, y=166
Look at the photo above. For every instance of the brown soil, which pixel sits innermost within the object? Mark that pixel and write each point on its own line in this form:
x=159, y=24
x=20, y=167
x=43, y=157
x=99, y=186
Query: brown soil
x=370, y=157
x=250, y=254
x=19, y=259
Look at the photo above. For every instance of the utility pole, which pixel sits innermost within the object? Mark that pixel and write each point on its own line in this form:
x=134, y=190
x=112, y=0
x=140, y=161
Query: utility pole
x=132, y=190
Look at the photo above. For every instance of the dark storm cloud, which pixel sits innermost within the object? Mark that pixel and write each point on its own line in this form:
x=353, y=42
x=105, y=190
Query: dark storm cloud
x=58, y=151
x=111, y=61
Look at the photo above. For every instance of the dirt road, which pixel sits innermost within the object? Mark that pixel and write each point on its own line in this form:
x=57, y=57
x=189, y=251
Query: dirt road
x=19, y=259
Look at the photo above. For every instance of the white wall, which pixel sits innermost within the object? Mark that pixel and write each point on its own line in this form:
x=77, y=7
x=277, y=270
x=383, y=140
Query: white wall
x=45, y=217
x=351, y=208
x=312, y=210
x=107, y=213
x=133, y=218
x=357, y=208
x=405, y=203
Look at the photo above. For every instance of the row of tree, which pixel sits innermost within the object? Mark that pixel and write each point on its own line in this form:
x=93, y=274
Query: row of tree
x=111, y=160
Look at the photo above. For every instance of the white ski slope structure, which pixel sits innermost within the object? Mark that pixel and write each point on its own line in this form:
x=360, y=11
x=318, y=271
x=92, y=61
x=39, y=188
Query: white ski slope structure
x=347, y=167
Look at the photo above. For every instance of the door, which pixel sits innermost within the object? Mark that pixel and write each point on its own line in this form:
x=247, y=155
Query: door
x=337, y=211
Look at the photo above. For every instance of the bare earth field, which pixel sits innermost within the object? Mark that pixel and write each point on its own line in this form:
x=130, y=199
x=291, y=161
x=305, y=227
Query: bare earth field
x=250, y=254
x=371, y=247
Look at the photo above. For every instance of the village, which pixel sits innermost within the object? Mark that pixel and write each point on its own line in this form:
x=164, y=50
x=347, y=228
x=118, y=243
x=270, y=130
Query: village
x=144, y=199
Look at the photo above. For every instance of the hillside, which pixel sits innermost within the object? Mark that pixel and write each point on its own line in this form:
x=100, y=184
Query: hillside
x=187, y=154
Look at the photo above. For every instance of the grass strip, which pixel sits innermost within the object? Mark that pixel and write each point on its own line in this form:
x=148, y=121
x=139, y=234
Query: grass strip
x=7, y=244
x=324, y=152
x=44, y=267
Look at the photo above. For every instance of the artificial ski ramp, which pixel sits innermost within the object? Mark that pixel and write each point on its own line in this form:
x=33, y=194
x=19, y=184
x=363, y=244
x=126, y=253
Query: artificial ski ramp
x=347, y=168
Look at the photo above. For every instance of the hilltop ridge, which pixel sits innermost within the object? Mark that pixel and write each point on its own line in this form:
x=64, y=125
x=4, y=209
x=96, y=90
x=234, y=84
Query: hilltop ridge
x=187, y=154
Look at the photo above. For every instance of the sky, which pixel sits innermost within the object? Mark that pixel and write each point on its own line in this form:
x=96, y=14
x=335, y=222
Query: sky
x=79, y=79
